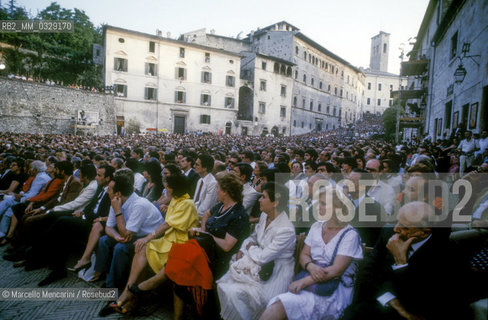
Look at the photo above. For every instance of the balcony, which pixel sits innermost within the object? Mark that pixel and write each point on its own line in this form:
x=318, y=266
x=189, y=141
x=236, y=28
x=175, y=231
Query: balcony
x=414, y=67
x=408, y=94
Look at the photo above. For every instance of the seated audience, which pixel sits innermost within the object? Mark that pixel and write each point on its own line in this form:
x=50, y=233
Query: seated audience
x=243, y=293
x=330, y=249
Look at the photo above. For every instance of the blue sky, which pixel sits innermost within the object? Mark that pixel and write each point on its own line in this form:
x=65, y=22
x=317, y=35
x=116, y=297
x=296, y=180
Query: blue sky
x=344, y=27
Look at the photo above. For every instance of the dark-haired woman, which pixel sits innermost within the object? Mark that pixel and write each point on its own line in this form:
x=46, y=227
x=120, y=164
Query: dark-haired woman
x=243, y=293
x=163, y=202
x=15, y=177
x=152, y=250
x=154, y=186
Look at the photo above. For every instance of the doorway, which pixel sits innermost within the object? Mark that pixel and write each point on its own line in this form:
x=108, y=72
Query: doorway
x=179, y=125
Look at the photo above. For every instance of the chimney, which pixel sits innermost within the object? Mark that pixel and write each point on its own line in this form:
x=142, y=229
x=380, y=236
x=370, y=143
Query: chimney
x=212, y=31
x=159, y=33
x=168, y=34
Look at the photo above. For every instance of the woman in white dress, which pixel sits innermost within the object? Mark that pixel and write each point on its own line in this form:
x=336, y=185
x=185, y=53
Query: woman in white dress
x=242, y=293
x=319, y=248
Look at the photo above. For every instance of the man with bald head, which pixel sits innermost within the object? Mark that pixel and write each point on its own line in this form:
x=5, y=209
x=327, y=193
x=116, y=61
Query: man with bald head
x=411, y=272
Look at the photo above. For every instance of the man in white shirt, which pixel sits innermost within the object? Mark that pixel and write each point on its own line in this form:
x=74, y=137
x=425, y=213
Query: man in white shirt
x=206, y=190
x=482, y=143
x=467, y=147
x=139, y=179
x=131, y=217
x=380, y=191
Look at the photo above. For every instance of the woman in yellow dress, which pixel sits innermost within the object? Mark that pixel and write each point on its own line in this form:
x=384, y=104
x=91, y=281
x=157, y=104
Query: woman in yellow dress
x=152, y=250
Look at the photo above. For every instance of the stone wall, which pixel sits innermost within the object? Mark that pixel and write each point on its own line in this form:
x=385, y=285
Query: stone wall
x=29, y=107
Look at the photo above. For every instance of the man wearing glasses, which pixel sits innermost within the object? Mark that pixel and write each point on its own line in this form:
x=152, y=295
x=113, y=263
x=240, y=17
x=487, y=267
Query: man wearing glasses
x=380, y=191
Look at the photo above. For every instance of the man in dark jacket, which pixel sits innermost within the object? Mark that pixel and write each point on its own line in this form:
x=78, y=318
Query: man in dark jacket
x=410, y=274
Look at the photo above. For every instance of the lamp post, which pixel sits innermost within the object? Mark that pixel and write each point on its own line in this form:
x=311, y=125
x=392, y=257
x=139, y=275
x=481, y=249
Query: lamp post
x=397, y=131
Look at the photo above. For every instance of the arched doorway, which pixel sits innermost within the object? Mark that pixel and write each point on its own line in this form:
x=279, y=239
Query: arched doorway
x=275, y=131
x=245, y=104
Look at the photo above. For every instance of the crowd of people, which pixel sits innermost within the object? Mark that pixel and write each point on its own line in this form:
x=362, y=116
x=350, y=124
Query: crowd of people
x=53, y=82
x=319, y=226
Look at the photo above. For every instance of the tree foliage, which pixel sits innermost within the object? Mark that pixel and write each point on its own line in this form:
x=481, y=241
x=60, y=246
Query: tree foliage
x=65, y=57
x=390, y=118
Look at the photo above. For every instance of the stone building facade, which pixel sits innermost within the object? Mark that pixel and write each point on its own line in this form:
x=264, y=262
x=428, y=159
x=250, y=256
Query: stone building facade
x=453, y=38
x=31, y=107
x=322, y=91
x=265, y=95
x=326, y=88
x=170, y=85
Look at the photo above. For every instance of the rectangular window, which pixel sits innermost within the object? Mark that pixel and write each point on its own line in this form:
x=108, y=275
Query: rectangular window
x=312, y=81
x=303, y=103
x=328, y=110
x=305, y=78
x=303, y=123
x=341, y=92
x=121, y=90
x=182, y=52
x=229, y=102
x=207, y=57
x=379, y=102
x=368, y=102
x=263, y=65
x=384, y=47
x=152, y=46
x=328, y=88
x=120, y=64
x=320, y=107
x=390, y=103
x=311, y=105
x=229, y=81
x=206, y=77
x=150, y=69
x=206, y=100
x=369, y=85
x=180, y=97
x=205, y=118
x=294, y=101
x=296, y=74
x=454, y=40
x=379, y=86
x=262, y=107
x=391, y=87
x=283, y=91
x=296, y=50
x=294, y=123
x=335, y=91
x=283, y=112
x=262, y=85
x=320, y=85
x=150, y=93
x=180, y=73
